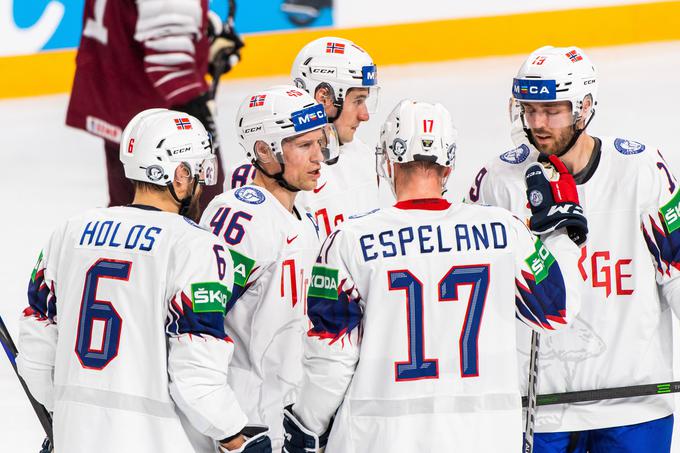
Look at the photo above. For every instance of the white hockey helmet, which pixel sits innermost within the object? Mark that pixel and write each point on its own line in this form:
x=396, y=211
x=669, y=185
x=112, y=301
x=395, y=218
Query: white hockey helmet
x=552, y=74
x=278, y=113
x=156, y=141
x=416, y=131
x=339, y=65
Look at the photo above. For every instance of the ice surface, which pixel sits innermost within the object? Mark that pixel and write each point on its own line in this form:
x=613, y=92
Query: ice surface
x=52, y=172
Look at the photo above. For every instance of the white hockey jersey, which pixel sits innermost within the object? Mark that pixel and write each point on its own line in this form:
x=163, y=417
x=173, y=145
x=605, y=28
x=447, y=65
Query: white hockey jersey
x=347, y=187
x=413, y=310
x=273, y=252
x=126, y=308
x=622, y=335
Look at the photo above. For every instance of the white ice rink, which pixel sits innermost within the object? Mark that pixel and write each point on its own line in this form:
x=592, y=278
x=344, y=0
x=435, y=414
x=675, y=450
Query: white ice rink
x=54, y=172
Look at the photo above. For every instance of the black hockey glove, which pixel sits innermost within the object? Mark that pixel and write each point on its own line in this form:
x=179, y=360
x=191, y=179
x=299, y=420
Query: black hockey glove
x=257, y=440
x=225, y=46
x=203, y=108
x=553, y=200
x=297, y=438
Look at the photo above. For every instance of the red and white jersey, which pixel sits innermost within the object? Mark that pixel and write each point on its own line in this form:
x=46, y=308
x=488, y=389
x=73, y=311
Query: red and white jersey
x=273, y=252
x=135, y=55
x=622, y=335
x=413, y=311
x=125, y=331
x=346, y=188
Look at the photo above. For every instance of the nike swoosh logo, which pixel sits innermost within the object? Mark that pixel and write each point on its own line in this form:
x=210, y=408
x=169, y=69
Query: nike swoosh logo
x=291, y=240
x=317, y=190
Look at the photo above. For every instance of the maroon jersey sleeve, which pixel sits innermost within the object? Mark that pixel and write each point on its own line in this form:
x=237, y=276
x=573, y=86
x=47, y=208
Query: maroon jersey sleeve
x=134, y=55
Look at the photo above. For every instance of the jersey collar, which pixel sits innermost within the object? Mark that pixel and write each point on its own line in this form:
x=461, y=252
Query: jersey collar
x=428, y=204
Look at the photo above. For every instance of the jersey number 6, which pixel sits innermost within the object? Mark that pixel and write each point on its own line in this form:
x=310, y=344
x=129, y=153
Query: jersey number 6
x=99, y=315
x=417, y=366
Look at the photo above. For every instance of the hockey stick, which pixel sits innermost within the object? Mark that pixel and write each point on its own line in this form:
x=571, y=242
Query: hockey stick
x=12, y=352
x=532, y=391
x=662, y=388
x=219, y=68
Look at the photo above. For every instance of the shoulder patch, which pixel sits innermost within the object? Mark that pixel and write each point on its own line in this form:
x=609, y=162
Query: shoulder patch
x=250, y=195
x=628, y=147
x=517, y=155
x=192, y=223
x=363, y=214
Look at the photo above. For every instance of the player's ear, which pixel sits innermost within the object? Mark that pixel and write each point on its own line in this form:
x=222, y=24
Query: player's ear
x=585, y=109
x=182, y=181
x=323, y=97
x=263, y=152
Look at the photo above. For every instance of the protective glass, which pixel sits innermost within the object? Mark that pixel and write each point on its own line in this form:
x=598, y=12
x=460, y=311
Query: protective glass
x=381, y=162
x=542, y=115
x=204, y=169
x=326, y=137
x=370, y=101
x=330, y=145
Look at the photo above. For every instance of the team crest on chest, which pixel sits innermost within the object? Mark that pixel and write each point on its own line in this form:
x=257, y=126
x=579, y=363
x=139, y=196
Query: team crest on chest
x=517, y=155
x=628, y=147
x=250, y=195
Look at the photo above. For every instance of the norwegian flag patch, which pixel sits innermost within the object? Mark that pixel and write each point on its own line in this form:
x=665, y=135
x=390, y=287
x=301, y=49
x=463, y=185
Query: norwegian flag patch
x=574, y=56
x=182, y=123
x=257, y=100
x=335, y=47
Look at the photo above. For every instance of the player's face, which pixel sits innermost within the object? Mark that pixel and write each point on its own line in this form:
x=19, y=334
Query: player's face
x=551, y=124
x=354, y=112
x=303, y=158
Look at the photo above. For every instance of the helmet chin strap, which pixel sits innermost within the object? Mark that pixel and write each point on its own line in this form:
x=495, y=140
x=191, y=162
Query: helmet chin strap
x=186, y=201
x=278, y=177
x=574, y=137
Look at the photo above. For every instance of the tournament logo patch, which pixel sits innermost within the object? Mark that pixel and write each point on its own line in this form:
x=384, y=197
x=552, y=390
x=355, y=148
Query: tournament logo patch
x=517, y=155
x=155, y=172
x=628, y=147
x=535, y=198
x=250, y=195
x=399, y=147
x=451, y=152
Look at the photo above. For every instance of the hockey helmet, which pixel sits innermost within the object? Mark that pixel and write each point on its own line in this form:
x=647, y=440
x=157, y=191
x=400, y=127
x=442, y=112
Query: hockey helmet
x=337, y=64
x=156, y=141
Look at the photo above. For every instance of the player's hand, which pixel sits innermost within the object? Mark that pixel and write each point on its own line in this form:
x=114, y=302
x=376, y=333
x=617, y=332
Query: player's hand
x=297, y=438
x=203, y=108
x=253, y=439
x=553, y=200
x=225, y=46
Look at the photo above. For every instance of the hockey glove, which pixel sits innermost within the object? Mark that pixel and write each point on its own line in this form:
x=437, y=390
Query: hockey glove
x=203, y=108
x=225, y=46
x=297, y=438
x=553, y=200
x=257, y=441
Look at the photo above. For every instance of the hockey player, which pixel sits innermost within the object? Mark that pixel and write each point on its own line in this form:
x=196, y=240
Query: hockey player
x=124, y=334
x=622, y=335
x=140, y=54
x=285, y=135
x=342, y=77
x=413, y=310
